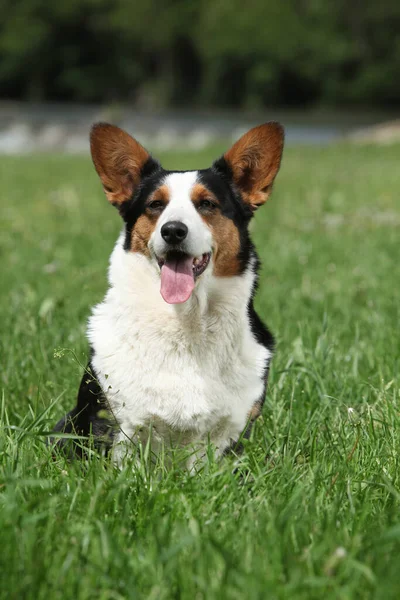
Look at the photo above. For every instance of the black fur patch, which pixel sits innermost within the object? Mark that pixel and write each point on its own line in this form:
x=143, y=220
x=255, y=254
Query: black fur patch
x=90, y=417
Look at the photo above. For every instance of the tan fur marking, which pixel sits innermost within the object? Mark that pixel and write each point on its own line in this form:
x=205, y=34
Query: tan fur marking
x=141, y=234
x=200, y=192
x=118, y=159
x=147, y=222
x=225, y=235
x=161, y=193
x=255, y=411
x=255, y=159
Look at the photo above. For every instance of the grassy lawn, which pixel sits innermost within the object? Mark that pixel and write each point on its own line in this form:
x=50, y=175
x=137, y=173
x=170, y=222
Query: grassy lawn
x=312, y=509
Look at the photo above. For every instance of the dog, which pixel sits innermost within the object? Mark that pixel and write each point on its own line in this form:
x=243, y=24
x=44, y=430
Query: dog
x=178, y=351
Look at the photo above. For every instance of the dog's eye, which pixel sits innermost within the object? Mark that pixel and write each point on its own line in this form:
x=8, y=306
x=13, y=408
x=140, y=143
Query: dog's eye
x=206, y=204
x=156, y=205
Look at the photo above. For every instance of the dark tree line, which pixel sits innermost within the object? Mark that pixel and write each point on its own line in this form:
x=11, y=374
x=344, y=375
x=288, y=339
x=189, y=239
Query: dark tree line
x=202, y=52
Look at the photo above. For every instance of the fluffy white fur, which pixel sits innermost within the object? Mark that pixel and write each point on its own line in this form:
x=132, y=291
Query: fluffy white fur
x=189, y=372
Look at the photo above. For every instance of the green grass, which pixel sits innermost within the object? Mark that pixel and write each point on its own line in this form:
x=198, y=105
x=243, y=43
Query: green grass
x=311, y=510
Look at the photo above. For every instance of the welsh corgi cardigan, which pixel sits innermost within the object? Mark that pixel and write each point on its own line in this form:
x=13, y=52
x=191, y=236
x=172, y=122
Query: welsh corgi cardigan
x=178, y=352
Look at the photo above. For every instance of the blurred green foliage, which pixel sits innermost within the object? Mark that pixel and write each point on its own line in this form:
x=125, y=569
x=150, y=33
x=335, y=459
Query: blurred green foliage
x=203, y=52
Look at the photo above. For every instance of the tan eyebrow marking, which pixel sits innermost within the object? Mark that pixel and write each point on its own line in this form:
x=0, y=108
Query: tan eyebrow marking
x=161, y=193
x=200, y=192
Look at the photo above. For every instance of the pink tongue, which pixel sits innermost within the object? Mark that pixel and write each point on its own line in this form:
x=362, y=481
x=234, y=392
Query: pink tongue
x=177, y=280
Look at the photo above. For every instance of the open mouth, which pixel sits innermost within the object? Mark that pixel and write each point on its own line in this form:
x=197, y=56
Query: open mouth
x=179, y=273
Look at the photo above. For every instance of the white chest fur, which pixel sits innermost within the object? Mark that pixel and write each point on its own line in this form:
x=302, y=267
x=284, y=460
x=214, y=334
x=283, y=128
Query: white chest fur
x=190, y=372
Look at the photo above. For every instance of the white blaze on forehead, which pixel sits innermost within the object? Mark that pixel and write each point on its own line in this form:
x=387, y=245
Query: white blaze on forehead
x=181, y=208
x=180, y=187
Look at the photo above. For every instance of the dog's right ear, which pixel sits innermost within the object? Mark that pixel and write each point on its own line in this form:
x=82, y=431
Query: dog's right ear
x=119, y=161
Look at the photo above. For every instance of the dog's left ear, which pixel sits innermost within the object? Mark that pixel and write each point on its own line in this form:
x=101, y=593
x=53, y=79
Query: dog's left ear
x=119, y=161
x=255, y=160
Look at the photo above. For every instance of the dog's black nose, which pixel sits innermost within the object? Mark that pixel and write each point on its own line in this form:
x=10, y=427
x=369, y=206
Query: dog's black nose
x=174, y=232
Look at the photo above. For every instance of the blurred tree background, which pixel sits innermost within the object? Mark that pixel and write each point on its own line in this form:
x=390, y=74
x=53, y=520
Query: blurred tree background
x=202, y=53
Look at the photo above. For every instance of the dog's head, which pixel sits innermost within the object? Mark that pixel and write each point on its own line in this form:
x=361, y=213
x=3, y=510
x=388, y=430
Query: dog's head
x=188, y=223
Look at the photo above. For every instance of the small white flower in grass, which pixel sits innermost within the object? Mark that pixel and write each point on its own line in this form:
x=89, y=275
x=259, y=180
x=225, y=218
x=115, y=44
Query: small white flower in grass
x=333, y=561
x=353, y=416
x=340, y=552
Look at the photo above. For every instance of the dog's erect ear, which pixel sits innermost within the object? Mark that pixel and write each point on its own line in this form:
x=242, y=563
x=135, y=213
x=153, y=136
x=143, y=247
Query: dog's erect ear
x=119, y=160
x=254, y=161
